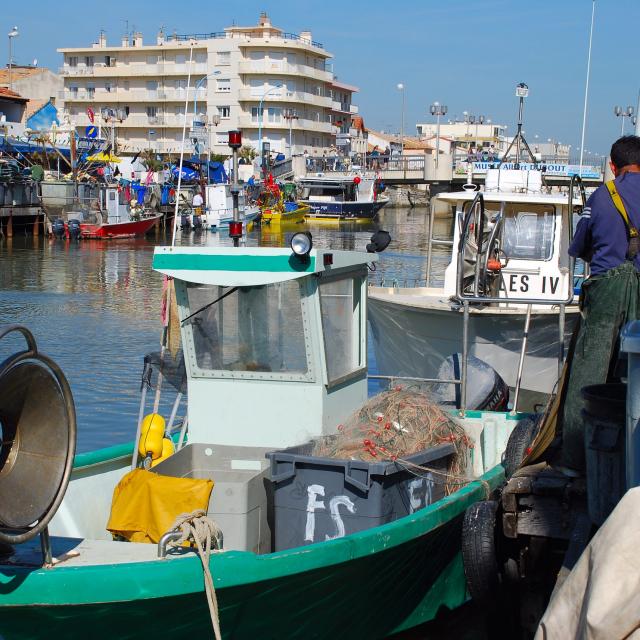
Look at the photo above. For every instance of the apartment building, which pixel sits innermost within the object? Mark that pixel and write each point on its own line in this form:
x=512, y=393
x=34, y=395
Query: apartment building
x=470, y=133
x=272, y=85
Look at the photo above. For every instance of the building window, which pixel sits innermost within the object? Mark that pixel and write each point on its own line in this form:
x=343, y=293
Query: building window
x=224, y=112
x=91, y=92
x=74, y=92
x=152, y=112
x=73, y=61
x=223, y=85
x=127, y=84
x=181, y=58
x=152, y=59
x=180, y=84
x=274, y=114
x=256, y=113
x=223, y=58
x=108, y=87
x=201, y=57
x=88, y=61
x=179, y=110
x=109, y=61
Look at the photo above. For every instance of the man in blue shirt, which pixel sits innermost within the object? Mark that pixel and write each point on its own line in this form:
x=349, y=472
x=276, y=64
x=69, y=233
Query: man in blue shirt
x=610, y=297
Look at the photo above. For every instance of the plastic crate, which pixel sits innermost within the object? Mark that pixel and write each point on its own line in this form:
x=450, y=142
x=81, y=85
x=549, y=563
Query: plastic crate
x=317, y=499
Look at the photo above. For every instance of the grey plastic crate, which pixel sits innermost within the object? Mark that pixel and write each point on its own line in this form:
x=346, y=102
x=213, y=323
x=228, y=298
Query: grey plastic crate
x=239, y=501
x=317, y=499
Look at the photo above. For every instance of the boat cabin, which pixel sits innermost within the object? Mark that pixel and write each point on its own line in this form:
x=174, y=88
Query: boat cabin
x=338, y=189
x=282, y=335
x=516, y=240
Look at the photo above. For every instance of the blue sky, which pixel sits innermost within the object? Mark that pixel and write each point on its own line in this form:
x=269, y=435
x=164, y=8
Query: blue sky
x=467, y=54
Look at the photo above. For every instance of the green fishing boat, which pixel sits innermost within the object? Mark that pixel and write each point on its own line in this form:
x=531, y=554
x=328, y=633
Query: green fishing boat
x=274, y=344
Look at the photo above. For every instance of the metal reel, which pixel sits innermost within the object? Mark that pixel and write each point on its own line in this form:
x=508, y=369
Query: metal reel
x=38, y=441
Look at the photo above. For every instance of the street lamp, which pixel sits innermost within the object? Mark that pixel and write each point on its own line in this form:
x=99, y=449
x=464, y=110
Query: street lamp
x=290, y=115
x=197, y=86
x=261, y=114
x=438, y=110
x=401, y=89
x=628, y=113
x=12, y=34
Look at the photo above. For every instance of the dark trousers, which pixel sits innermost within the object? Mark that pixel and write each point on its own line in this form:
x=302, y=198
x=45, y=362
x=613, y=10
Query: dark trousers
x=608, y=302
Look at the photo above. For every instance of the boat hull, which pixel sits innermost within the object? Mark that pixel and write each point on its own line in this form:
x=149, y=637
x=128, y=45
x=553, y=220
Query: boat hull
x=345, y=210
x=367, y=585
x=119, y=229
x=412, y=340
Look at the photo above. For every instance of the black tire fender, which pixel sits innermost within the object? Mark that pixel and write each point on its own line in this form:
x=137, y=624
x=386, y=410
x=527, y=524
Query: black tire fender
x=519, y=441
x=479, y=555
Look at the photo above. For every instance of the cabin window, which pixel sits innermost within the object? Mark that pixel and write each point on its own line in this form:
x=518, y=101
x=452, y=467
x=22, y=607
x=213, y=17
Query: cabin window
x=341, y=326
x=528, y=234
x=250, y=330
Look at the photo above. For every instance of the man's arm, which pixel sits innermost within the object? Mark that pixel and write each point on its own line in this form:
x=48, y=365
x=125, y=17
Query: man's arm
x=582, y=245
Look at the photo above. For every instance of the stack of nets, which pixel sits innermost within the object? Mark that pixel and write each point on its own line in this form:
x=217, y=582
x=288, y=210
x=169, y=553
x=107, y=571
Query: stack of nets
x=395, y=424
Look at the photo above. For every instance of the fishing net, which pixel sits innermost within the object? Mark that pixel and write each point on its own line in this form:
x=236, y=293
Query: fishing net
x=395, y=424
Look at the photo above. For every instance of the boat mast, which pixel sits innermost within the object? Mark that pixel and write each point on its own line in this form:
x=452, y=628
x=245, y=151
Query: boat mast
x=522, y=91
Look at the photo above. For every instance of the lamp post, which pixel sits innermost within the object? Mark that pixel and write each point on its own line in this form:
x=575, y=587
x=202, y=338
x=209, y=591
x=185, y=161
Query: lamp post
x=401, y=89
x=290, y=115
x=625, y=113
x=197, y=86
x=261, y=114
x=438, y=110
x=12, y=34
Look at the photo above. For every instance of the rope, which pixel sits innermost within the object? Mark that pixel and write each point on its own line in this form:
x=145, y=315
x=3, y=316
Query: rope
x=203, y=531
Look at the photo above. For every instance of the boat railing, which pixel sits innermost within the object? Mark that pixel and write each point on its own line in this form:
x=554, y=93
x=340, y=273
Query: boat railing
x=483, y=247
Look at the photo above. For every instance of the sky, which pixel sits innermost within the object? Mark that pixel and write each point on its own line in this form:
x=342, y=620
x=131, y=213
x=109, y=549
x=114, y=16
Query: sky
x=466, y=54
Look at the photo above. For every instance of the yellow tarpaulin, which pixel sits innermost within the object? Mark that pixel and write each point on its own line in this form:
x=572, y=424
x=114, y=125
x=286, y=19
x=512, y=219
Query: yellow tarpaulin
x=146, y=504
x=103, y=157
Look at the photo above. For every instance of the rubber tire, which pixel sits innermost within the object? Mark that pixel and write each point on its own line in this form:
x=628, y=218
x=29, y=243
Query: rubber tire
x=519, y=441
x=479, y=556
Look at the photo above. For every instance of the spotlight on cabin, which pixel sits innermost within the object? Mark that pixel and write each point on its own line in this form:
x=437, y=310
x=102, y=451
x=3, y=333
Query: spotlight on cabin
x=301, y=243
x=379, y=241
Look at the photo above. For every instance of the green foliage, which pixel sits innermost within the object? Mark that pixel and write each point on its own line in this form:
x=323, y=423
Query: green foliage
x=248, y=153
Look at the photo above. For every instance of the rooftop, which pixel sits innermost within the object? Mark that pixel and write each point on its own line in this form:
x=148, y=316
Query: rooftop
x=7, y=94
x=18, y=73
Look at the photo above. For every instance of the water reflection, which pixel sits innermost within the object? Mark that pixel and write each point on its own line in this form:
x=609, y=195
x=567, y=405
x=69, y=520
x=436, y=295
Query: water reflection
x=94, y=306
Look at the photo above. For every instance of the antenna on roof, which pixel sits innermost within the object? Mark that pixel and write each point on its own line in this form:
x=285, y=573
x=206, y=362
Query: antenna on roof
x=522, y=92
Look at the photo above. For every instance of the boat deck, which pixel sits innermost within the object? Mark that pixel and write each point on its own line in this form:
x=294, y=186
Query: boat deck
x=435, y=299
x=82, y=552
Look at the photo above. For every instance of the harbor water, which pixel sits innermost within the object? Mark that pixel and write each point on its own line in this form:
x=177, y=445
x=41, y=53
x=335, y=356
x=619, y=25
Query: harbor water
x=94, y=305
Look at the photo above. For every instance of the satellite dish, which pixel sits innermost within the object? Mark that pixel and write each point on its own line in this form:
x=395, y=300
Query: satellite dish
x=35, y=62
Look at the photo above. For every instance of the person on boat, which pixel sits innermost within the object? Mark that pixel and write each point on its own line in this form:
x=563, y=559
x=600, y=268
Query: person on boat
x=607, y=238
x=197, y=203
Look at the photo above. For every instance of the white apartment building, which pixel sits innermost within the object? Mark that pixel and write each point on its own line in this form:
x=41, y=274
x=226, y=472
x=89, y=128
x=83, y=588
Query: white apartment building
x=261, y=80
x=467, y=134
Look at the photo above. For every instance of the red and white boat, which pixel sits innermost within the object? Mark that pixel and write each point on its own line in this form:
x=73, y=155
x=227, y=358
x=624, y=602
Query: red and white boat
x=127, y=229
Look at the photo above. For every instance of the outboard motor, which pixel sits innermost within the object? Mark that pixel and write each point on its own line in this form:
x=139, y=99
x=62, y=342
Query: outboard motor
x=58, y=229
x=74, y=229
x=185, y=222
x=486, y=390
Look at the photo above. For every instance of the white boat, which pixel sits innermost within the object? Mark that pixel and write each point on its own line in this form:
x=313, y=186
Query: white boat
x=218, y=210
x=343, y=197
x=508, y=257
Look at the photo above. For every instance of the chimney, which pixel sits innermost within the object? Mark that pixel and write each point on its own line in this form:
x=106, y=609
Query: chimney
x=160, y=37
x=102, y=39
x=137, y=39
x=305, y=36
x=125, y=40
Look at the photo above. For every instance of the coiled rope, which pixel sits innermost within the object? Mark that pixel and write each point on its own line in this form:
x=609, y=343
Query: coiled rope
x=197, y=527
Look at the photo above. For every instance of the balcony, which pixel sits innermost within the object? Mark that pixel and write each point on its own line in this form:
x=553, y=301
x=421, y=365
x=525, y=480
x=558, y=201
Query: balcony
x=246, y=95
x=133, y=69
x=301, y=124
x=262, y=67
